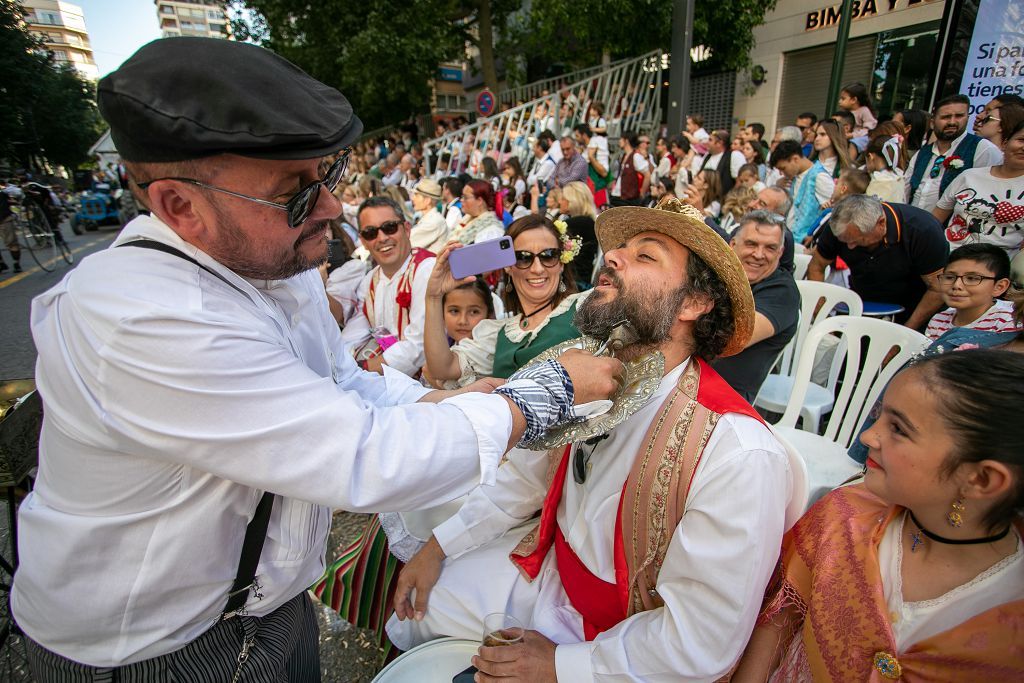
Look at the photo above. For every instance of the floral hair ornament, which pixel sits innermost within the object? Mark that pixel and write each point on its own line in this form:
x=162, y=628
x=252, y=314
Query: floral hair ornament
x=571, y=244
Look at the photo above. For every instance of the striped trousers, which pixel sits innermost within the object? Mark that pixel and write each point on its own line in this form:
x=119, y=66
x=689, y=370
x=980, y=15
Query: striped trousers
x=286, y=649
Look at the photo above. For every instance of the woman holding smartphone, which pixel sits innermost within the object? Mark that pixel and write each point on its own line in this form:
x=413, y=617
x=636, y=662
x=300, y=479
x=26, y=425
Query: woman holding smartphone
x=539, y=292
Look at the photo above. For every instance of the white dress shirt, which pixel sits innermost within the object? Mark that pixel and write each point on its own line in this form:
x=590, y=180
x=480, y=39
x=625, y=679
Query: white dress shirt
x=713, y=579
x=453, y=215
x=172, y=402
x=405, y=355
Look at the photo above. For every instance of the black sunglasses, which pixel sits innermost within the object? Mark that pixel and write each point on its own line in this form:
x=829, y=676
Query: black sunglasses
x=299, y=207
x=389, y=228
x=581, y=461
x=549, y=258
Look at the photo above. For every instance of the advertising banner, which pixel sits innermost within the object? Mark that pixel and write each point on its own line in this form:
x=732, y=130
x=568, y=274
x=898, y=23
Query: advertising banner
x=994, y=63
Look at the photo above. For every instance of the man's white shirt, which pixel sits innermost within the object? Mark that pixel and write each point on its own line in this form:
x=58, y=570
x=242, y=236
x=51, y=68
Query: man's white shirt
x=172, y=402
x=406, y=355
x=713, y=579
x=927, y=195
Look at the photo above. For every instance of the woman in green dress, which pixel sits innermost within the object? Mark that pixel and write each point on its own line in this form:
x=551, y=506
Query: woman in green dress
x=540, y=297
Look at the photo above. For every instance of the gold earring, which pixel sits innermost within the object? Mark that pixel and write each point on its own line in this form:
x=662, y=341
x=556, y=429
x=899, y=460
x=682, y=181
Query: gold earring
x=955, y=516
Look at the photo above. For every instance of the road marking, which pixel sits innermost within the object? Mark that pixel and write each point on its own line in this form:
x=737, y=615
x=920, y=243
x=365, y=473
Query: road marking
x=36, y=269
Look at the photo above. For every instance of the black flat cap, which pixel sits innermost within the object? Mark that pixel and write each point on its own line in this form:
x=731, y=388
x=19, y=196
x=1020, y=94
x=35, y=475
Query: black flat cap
x=186, y=98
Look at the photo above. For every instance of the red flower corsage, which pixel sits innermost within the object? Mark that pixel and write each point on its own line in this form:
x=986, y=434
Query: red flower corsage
x=404, y=299
x=953, y=162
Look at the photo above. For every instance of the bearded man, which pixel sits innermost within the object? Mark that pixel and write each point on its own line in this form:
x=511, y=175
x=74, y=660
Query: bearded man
x=631, y=574
x=937, y=164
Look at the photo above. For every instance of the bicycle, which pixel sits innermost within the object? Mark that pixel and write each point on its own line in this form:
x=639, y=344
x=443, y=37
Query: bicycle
x=34, y=232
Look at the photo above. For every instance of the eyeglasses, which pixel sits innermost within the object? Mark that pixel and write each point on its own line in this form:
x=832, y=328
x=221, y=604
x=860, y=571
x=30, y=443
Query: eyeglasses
x=388, y=228
x=549, y=258
x=581, y=461
x=937, y=166
x=299, y=207
x=970, y=279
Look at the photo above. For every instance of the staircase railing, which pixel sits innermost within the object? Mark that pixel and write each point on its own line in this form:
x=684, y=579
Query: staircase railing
x=629, y=90
x=535, y=89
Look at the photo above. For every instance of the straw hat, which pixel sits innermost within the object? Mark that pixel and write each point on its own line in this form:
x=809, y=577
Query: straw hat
x=428, y=187
x=685, y=225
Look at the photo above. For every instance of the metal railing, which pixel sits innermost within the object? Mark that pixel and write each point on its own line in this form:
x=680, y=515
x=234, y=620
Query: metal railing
x=629, y=90
x=535, y=89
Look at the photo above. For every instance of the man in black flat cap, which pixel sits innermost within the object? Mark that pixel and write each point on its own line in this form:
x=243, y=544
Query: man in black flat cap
x=202, y=416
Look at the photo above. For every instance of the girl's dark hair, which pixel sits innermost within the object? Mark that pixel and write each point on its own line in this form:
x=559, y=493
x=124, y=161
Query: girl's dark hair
x=859, y=92
x=483, y=190
x=758, y=151
x=509, y=296
x=1011, y=120
x=963, y=383
x=919, y=121
x=490, y=168
x=480, y=287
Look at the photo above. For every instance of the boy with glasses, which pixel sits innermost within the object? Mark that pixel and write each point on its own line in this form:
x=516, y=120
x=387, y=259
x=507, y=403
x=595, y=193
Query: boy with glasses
x=971, y=283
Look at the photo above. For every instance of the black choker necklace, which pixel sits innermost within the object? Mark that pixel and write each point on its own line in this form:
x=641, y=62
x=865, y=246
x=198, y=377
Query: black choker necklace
x=526, y=317
x=950, y=541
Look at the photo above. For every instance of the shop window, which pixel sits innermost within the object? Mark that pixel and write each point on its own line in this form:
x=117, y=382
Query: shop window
x=904, y=68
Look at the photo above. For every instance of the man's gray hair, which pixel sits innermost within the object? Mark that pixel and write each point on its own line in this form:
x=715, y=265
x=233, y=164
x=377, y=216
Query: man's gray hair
x=860, y=210
x=785, y=203
x=761, y=217
x=791, y=133
x=570, y=139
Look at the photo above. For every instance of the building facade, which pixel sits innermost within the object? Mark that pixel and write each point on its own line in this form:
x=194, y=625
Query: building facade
x=61, y=26
x=890, y=50
x=204, y=18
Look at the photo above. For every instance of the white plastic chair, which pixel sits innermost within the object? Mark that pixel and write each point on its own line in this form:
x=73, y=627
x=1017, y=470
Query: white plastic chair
x=860, y=360
x=800, y=263
x=776, y=390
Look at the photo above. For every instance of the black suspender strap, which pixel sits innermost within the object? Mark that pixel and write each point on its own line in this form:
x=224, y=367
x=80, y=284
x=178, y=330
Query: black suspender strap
x=252, y=546
x=256, y=531
x=168, y=249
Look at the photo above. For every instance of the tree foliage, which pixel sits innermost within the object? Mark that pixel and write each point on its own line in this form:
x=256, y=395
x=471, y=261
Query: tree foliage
x=381, y=54
x=47, y=112
x=581, y=32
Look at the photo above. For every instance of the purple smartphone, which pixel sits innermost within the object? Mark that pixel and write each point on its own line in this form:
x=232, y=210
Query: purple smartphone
x=482, y=257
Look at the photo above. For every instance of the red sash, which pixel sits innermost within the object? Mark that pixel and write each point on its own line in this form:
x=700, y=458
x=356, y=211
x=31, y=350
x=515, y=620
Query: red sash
x=602, y=604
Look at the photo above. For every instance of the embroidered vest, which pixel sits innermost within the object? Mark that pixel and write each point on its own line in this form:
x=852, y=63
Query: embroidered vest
x=829, y=572
x=629, y=188
x=806, y=204
x=965, y=150
x=404, y=296
x=653, y=498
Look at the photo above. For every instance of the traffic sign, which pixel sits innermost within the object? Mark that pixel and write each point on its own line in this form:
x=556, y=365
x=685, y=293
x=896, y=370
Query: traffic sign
x=485, y=103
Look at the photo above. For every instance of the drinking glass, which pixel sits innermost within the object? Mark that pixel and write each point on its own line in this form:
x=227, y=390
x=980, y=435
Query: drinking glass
x=502, y=629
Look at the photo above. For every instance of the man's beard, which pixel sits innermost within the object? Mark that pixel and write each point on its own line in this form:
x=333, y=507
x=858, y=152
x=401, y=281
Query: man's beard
x=940, y=134
x=238, y=252
x=651, y=314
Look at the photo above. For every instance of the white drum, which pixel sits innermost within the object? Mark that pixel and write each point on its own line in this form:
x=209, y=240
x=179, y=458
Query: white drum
x=435, y=662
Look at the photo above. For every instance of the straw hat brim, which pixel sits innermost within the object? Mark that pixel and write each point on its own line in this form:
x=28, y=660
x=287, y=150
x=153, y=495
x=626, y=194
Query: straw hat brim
x=615, y=226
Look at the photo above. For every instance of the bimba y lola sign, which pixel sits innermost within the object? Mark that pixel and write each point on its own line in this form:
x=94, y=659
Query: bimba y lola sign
x=862, y=9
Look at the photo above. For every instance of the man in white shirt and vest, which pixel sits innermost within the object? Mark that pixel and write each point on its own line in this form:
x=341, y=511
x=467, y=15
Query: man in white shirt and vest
x=387, y=328
x=201, y=415
x=655, y=540
x=937, y=164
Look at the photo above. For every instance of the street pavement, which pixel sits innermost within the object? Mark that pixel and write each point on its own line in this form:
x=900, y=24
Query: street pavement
x=17, y=352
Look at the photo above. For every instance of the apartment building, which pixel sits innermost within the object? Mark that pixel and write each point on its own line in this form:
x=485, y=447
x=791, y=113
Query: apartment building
x=206, y=18
x=61, y=26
